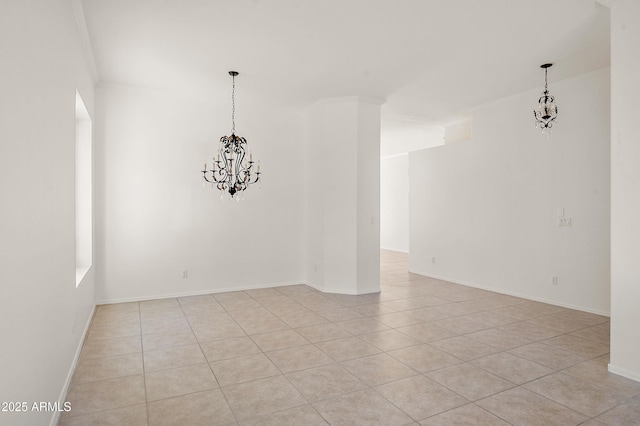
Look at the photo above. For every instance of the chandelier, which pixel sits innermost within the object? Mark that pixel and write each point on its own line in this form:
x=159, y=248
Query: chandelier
x=231, y=172
x=547, y=111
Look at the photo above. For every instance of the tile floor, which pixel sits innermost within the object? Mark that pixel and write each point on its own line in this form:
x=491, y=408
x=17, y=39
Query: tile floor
x=423, y=351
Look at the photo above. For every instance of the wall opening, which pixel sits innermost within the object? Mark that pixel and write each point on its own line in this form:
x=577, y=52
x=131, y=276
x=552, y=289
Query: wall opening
x=84, y=185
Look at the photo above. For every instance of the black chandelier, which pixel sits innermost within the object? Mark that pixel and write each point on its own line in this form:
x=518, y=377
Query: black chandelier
x=231, y=172
x=547, y=112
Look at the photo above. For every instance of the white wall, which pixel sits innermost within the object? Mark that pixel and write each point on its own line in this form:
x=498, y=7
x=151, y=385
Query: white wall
x=625, y=189
x=154, y=218
x=394, y=203
x=487, y=210
x=42, y=313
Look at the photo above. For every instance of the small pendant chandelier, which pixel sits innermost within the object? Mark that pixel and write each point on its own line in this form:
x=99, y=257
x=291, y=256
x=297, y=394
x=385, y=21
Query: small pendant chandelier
x=547, y=112
x=231, y=172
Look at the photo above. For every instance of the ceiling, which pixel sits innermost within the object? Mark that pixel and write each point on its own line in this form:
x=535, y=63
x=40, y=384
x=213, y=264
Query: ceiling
x=431, y=60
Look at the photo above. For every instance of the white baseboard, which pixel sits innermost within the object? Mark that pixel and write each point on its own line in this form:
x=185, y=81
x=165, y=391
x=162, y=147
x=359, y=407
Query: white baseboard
x=633, y=375
x=194, y=293
x=513, y=293
x=65, y=389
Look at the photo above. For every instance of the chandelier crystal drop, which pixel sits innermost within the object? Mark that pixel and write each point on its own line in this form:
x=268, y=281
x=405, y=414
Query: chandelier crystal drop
x=546, y=114
x=231, y=172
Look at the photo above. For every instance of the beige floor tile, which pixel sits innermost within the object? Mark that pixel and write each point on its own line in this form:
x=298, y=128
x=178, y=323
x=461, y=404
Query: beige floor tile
x=231, y=295
x=115, y=317
x=518, y=312
x=325, y=382
x=426, y=332
x=459, y=325
x=279, y=340
x=210, y=319
x=467, y=415
x=441, y=320
x=542, y=308
x=230, y=348
x=203, y=408
x=401, y=305
x=373, y=309
x=470, y=381
x=634, y=402
x=498, y=339
x=378, y=369
x=323, y=332
x=90, y=397
x=529, y=331
x=221, y=331
x=117, y=308
x=265, y=325
x=178, y=356
x=596, y=372
x=298, y=358
x=397, y=319
x=302, y=319
x=243, y=369
x=420, y=397
x=578, y=345
x=564, y=323
x=347, y=348
x=432, y=313
x=197, y=309
x=205, y=302
x=512, y=368
x=464, y=347
x=548, y=356
x=490, y=319
x=163, y=325
x=93, y=369
x=256, y=313
x=240, y=304
x=618, y=416
x=264, y=396
x=298, y=416
x=519, y=406
x=424, y=358
x=361, y=408
x=169, y=339
x=598, y=333
x=179, y=381
x=495, y=301
x=159, y=314
x=362, y=325
x=159, y=304
x=574, y=393
x=340, y=314
x=114, y=330
x=134, y=415
x=110, y=347
x=388, y=340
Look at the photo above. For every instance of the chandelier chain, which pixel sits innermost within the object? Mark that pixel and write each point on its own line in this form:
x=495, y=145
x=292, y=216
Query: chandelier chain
x=233, y=106
x=545, y=80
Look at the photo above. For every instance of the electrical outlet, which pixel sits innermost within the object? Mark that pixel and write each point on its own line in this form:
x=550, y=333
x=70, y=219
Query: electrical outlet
x=564, y=221
x=433, y=260
x=554, y=280
x=185, y=273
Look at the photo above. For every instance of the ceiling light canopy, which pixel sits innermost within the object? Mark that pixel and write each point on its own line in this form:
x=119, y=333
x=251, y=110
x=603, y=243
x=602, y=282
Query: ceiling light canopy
x=231, y=172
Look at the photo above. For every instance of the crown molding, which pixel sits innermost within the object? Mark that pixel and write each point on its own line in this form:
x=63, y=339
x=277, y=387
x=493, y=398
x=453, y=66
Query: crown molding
x=85, y=40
